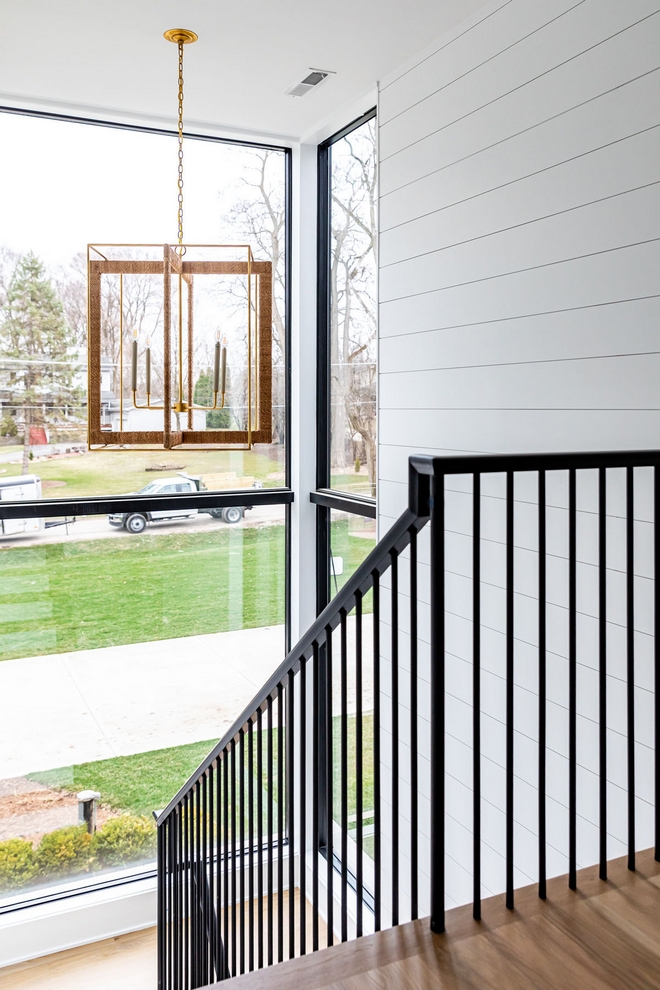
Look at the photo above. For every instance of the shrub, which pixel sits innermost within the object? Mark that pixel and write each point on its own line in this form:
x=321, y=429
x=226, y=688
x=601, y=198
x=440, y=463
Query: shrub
x=17, y=863
x=124, y=839
x=357, y=465
x=65, y=850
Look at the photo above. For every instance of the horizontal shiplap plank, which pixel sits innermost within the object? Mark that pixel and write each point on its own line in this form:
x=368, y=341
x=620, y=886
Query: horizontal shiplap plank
x=629, y=382
x=608, y=172
x=601, y=331
x=626, y=273
x=622, y=220
x=614, y=63
x=590, y=25
x=517, y=431
x=485, y=40
x=614, y=117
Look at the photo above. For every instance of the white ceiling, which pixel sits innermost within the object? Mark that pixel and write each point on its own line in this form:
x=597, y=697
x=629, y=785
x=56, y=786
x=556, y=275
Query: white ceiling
x=109, y=58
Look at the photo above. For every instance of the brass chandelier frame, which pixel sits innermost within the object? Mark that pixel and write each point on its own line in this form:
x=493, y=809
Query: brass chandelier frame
x=178, y=395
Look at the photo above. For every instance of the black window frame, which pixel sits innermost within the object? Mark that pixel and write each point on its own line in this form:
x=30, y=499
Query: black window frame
x=66, y=508
x=324, y=497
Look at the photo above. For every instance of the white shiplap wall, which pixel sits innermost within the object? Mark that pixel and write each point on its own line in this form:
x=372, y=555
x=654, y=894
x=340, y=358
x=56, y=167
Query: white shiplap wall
x=519, y=311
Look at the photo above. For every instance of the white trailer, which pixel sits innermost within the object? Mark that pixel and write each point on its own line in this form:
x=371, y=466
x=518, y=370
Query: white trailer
x=25, y=487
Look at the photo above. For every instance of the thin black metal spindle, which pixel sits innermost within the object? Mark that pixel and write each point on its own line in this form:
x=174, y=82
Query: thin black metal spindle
x=302, y=842
x=241, y=812
x=394, y=617
x=260, y=840
x=630, y=650
x=211, y=890
x=232, y=826
x=414, y=771
x=203, y=883
x=476, y=696
x=376, y=748
x=656, y=649
x=185, y=883
x=178, y=912
x=359, y=837
x=290, y=806
x=160, y=904
x=438, y=703
x=602, y=669
x=250, y=783
x=280, y=823
x=269, y=829
x=227, y=866
x=330, y=790
x=170, y=900
x=220, y=869
x=542, y=688
x=315, y=796
x=509, y=688
x=196, y=890
x=343, y=691
x=572, y=680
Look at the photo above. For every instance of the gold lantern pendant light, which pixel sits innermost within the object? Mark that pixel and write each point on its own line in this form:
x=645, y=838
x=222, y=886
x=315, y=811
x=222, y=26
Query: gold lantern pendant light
x=124, y=408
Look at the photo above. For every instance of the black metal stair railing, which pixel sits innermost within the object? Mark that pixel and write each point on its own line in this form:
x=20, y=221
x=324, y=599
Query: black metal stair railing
x=255, y=861
x=502, y=687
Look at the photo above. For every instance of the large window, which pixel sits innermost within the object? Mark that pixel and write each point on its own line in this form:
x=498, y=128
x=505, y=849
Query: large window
x=348, y=309
x=347, y=348
x=134, y=628
x=68, y=184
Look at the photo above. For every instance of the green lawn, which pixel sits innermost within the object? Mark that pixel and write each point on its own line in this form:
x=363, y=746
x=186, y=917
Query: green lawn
x=147, y=782
x=77, y=596
x=62, y=597
x=140, y=784
x=114, y=472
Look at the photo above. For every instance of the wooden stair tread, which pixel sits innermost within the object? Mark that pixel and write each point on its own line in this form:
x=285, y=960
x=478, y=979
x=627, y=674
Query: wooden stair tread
x=604, y=936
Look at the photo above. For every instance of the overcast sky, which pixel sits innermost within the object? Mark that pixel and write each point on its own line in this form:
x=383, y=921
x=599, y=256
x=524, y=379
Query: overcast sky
x=64, y=185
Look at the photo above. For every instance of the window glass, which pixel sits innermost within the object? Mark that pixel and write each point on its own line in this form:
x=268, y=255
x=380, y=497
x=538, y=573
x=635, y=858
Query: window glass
x=352, y=538
x=118, y=187
x=353, y=311
x=124, y=656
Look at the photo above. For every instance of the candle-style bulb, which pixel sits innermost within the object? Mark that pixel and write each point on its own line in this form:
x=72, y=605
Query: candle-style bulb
x=134, y=358
x=223, y=368
x=148, y=366
x=216, y=364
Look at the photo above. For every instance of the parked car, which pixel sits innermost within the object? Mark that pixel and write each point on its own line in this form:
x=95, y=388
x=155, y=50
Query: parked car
x=136, y=522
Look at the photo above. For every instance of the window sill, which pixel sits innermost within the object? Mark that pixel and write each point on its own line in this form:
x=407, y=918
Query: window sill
x=64, y=920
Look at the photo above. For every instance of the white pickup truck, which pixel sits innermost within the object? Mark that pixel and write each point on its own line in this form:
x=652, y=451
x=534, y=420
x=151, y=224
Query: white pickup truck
x=136, y=522
x=24, y=487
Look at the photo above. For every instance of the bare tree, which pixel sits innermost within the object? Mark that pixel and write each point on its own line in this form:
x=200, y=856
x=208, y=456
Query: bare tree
x=353, y=318
x=257, y=216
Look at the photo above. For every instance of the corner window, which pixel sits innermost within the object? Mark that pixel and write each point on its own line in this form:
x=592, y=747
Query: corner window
x=348, y=283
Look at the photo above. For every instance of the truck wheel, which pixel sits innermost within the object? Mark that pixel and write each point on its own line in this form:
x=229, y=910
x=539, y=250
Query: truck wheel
x=232, y=514
x=136, y=523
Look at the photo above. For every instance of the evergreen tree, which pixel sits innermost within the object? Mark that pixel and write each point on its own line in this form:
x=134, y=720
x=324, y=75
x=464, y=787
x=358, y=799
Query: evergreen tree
x=216, y=419
x=34, y=336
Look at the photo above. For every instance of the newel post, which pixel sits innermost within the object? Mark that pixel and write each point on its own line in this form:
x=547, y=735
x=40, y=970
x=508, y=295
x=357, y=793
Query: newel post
x=437, y=513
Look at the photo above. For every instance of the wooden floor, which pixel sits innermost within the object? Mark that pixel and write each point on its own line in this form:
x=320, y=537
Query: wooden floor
x=124, y=963
x=605, y=936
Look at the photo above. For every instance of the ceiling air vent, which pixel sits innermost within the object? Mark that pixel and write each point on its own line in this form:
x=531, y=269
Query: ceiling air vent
x=306, y=85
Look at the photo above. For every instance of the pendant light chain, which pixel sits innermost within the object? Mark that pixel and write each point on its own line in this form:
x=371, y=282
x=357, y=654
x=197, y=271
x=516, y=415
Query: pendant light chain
x=179, y=182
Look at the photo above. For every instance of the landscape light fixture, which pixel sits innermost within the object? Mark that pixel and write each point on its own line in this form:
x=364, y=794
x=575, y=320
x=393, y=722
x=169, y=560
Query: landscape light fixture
x=180, y=337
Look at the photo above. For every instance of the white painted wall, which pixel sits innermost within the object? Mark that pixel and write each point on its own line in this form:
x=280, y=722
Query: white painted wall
x=519, y=306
